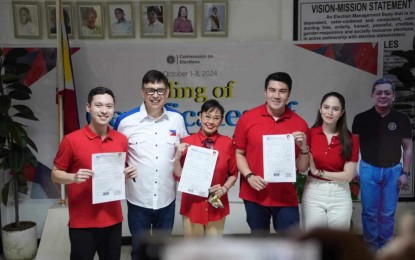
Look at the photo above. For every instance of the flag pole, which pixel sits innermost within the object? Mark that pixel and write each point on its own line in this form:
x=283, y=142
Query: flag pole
x=60, y=82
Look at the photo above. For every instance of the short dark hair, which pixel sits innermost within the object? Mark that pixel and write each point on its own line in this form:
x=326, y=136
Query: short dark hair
x=281, y=77
x=212, y=104
x=155, y=76
x=89, y=10
x=383, y=81
x=153, y=9
x=118, y=9
x=99, y=91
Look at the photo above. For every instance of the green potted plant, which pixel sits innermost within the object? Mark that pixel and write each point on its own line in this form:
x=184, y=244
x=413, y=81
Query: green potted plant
x=15, y=152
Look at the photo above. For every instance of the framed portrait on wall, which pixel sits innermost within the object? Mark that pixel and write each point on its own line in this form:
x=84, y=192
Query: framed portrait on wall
x=215, y=18
x=120, y=20
x=153, y=20
x=183, y=19
x=26, y=20
x=50, y=8
x=90, y=20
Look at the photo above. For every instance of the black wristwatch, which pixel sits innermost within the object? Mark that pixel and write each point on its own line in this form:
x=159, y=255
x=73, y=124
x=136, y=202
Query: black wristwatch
x=406, y=173
x=249, y=175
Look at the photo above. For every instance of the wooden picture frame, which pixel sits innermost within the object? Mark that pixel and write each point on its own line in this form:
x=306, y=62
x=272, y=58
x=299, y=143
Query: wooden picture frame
x=50, y=8
x=215, y=18
x=183, y=26
x=27, y=20
x=153, y=19
x=90, y=20
x=120, y=17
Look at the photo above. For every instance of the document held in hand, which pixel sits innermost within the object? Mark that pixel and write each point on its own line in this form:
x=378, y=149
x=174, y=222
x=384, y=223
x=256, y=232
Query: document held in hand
x=279, y=158
x=108, y=181
x=198, y=170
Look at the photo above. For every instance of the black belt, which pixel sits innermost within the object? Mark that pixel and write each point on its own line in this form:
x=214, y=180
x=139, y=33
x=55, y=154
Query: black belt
x=383, y=164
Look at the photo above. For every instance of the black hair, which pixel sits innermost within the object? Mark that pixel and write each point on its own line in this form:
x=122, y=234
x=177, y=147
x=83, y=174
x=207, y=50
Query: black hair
x=180, y=8
x=155, y=76
x=118, y=9
x=153, y=9
x=341, y=126
x=211, y=104
x=281, y=77
x=383, y=81
x=99, y=91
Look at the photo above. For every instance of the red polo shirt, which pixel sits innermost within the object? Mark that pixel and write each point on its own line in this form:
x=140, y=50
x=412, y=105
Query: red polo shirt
x=249, y=130
x=327, y=156
x=197, y=208
x=75, y=152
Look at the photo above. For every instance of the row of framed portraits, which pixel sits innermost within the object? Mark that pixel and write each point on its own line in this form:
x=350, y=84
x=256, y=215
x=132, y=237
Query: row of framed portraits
x=91, y=20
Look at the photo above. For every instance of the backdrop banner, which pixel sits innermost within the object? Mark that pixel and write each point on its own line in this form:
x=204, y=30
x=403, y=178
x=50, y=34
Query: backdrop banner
x=233, y=73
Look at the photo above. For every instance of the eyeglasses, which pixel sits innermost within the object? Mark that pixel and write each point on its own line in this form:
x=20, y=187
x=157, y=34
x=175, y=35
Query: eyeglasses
x=151, y=91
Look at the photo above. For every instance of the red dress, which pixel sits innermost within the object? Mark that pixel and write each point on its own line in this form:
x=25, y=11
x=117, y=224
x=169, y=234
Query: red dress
x=196, y=208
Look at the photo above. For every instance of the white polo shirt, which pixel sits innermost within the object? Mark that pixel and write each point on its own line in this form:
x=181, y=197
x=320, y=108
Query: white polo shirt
x=151, y=148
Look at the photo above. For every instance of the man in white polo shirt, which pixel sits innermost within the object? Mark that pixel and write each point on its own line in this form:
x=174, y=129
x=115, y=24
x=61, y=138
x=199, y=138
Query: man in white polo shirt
x=153, y=131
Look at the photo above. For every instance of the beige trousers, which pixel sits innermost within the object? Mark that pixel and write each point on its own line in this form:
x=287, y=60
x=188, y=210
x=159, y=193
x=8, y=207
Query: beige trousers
x=214, y=228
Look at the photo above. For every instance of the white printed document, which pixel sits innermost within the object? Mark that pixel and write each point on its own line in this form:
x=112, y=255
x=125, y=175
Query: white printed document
x=279, y=158
x=198, y=170
x=108, y=182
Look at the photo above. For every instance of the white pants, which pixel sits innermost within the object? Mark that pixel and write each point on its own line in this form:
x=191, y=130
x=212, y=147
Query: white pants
x=326, y=204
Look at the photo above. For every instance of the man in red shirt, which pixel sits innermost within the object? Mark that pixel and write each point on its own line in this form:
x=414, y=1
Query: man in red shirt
x=265, y=200
x=92, y=227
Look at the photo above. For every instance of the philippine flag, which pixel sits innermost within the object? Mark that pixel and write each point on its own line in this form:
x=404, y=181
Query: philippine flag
x=172, y=132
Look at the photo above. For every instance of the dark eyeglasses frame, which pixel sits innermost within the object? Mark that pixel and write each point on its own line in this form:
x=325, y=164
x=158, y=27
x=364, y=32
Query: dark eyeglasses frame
x=151, y=91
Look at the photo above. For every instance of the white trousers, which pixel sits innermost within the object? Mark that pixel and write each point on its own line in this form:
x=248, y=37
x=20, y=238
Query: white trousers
x=326, y=204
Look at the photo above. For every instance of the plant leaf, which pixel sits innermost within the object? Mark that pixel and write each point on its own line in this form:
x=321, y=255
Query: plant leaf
x=25, y=112
x=20, y=87
x=30, y=157
x=5, y=103
x=5, y=193
x=21, y=68
x=16, y=158
x=6, y=124
x=31, y=144
x=3, y=151
x=22, y=184
x=8, y=78
x=25, y=116
x=18, y=135
x=15, y=94
x=5, y=164
x=16, y=53
x=23, y=109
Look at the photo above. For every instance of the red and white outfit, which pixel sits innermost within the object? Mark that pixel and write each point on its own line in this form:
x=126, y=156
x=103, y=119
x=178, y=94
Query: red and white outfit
x=196, y=208
x=327, y=203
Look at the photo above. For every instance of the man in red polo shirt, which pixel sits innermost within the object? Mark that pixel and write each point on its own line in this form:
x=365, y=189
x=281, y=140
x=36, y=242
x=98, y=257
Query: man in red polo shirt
x=92, y=227
x=265, y=200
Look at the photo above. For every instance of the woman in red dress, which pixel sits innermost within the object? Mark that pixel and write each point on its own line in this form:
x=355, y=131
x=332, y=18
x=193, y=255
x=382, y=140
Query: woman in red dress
x=206, y=216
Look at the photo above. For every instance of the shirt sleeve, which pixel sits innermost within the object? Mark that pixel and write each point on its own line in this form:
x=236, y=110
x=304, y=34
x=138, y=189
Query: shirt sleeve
x=407, y=127
x=183, y=132
x=63, y=158
x=355, y=149
x=239, y=135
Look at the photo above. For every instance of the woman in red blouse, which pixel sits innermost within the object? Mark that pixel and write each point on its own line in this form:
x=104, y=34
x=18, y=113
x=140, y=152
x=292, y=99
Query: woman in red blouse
x=200, y=217
x=334, y=154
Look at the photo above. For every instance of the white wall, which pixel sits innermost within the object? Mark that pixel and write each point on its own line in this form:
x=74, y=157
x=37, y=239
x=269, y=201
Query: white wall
x=249, y=21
